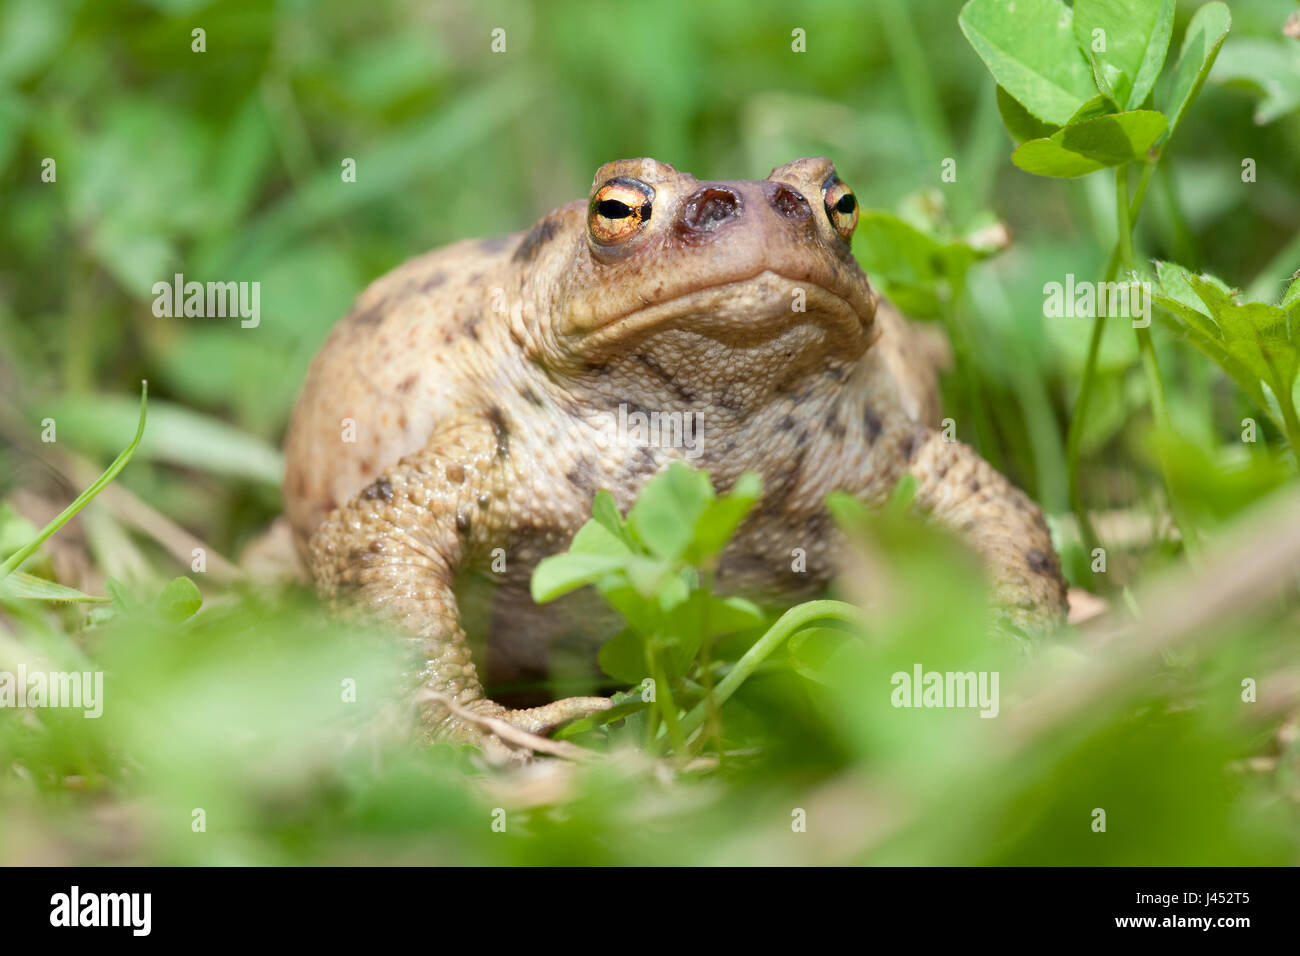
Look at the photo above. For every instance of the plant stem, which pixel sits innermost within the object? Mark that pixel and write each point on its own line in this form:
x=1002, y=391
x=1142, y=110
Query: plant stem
x=1147, y=349
x=1074, y=438
x=787, y=624
x=664, y=702
x=1127, y=212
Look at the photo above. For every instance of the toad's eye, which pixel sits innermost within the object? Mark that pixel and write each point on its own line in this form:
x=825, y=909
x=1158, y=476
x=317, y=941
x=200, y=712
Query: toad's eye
x=841, y=207
x=618, y=210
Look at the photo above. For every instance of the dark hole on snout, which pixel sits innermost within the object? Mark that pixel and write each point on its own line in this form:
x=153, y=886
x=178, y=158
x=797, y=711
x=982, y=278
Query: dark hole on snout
x=788, y=202
x=709, y=208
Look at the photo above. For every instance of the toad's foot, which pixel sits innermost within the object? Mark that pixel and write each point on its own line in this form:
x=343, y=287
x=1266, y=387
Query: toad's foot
x=508, y=736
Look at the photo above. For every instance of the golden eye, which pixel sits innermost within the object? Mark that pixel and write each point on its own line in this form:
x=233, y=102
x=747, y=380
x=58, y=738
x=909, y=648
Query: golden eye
x=841, y=207
x=618, y=210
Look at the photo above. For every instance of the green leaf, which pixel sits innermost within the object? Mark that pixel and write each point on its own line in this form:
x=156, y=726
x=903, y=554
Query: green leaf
x=176, y=435
x=20, y=584
x=1029, y=47
x=622, y=657
x=1192, y=329
x=819, y=653
x=1201, y=43
x=595, y=538
x=1266, y=67
x=1021, y=123
x=1135, y=34
x=642, y=615
x=648, y=576
x=1091, y=145
x=1099, y=105
x=1253, y=342
x=605, y=510
x=1291, y=297
x=561, y=573
x=179, y=600
x=919, y=273
x=722, y=516
x=664, y=516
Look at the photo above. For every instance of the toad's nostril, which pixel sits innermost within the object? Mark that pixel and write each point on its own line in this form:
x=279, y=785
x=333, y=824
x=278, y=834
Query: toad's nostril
x=788, y=202
x=709, y=208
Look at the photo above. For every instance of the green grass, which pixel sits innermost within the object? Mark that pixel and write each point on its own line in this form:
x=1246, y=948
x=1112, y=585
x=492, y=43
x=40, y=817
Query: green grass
x=243, y=724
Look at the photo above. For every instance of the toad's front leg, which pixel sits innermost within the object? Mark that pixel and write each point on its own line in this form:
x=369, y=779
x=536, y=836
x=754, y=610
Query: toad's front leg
x=396, y=547
x=962, y=491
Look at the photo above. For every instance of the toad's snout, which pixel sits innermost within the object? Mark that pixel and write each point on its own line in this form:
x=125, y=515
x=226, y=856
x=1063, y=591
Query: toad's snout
x=715, y=208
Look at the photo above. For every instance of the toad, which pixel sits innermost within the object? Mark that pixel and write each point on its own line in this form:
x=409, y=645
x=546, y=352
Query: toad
x=458, y=421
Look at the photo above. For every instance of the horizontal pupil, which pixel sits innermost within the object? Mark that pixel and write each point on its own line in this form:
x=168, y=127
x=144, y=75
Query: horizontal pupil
x=613, y=209
x=846, y=203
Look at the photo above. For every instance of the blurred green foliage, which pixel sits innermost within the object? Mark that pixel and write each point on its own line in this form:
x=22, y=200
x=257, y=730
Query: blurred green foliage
x=226, y=165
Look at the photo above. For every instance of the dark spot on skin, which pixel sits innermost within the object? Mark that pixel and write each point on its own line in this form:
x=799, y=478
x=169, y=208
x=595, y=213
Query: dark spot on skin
x=1039, y=562
x=435, y=280
x=787, y=423
x=462, y=523
x=580, y=477
x=871, y=423
x=378, y=489
x=659, y=372
x=834, y=425
x=471, y=327
x=802, y=438
x=456, y=474
x=835, y=372
x=495, y=244
x=366, y=468
x=726, y=401
x=541, y=234
x=498, y=420
x=530, y=396
x=643, y=463
x=596, y=368
x=484, y=499
x=408, y=383
x=974, y=486
x=911, y=445
x=784, y=486
x=371, y=316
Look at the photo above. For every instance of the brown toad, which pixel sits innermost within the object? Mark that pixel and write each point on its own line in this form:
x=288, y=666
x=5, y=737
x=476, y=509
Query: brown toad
x=466, y=410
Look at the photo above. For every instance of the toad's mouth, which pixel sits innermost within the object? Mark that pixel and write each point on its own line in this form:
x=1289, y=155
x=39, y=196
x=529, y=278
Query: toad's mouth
x=744, y=308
